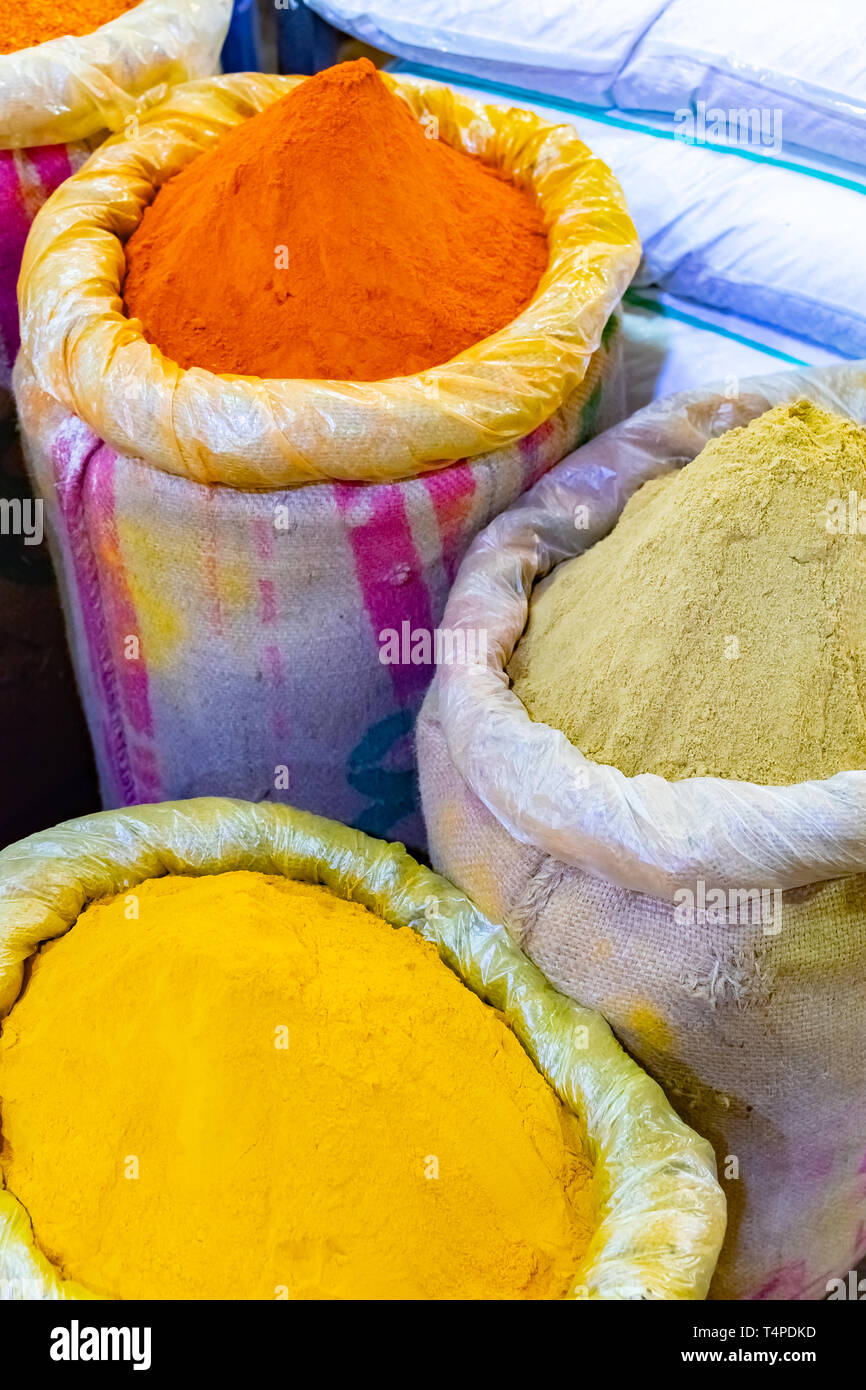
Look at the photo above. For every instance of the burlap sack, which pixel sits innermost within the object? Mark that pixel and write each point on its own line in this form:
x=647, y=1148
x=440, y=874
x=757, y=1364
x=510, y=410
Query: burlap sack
x=232, y=549
x=753, y=1021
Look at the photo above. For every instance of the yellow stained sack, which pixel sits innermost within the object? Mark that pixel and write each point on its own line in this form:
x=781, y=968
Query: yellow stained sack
x=255, y=433
x=71, y=88
x=661, y=1212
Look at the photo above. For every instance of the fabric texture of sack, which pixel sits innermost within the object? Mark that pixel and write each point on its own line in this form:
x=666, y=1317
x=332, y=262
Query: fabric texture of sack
x=27, y=179
x=47, y=767
x=661, y=1211
x=750, y=1025
x=255, y=617
x=58, y=101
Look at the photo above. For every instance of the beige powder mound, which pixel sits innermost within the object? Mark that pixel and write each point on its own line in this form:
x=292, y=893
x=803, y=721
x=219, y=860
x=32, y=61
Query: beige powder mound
x=720, y=629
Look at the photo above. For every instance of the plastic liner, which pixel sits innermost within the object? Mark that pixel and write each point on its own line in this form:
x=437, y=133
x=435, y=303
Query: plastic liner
x=70, y=88
x=661, y=1210
x=642, y=833
x=249, y=432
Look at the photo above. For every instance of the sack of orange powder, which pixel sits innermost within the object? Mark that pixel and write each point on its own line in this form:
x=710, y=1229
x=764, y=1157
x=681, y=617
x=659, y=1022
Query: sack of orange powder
x=253, y=569
x=59, y=99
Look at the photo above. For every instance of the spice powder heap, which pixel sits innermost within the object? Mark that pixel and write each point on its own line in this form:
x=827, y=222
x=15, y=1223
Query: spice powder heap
x=26, y=23
x=336, y=241
x=255, y=1086
x=720, y=629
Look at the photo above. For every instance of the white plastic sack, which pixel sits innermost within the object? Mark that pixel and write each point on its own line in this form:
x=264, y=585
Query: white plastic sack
x=643, y=833
x=672, y=344
x=792, y=56
x=566, y=47
x=780, y=245
x=751, y=1019
x=651, y=55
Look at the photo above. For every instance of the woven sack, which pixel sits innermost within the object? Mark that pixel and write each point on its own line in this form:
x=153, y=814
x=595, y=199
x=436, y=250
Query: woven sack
x=751, y=1017
x=231, y=550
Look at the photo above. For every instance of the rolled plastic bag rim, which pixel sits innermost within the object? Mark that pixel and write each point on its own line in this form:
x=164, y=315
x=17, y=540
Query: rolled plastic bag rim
x=77, y=86
x=662, y=1212
x=250, y=432
x=642, y=833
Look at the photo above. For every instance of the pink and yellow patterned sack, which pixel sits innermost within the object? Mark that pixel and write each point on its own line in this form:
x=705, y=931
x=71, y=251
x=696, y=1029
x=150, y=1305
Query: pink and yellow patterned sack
x=27, y=178
x=58, y=101
x=229, y=642
x=234, y=553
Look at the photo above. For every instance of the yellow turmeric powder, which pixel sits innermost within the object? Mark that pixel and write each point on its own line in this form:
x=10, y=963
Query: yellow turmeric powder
x=238, y=1086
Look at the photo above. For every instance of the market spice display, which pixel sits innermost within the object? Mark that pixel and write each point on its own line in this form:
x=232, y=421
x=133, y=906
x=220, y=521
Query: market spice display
x=720, y=629
x=237, y=1085
x=25, y=23
x=330, y=237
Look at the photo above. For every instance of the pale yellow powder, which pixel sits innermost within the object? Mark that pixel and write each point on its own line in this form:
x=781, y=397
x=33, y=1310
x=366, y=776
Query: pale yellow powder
x=254, y=1089
x=720, y=629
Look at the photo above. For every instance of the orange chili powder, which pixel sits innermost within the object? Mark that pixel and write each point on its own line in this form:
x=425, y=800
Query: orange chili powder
x=329, y=237
x=25, y=23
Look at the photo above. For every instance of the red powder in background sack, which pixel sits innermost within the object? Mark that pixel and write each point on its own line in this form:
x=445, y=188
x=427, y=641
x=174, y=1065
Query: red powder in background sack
x=328, y=236
x=25, y=23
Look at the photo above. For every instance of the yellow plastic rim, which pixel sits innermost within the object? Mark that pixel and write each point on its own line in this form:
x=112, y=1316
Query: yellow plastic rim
x=661, y=1210
x=250, y=432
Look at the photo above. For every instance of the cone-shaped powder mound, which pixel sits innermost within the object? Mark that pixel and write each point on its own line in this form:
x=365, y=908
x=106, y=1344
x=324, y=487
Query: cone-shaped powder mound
x=329, y=237
x=720, y=629
x=236, y=1085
